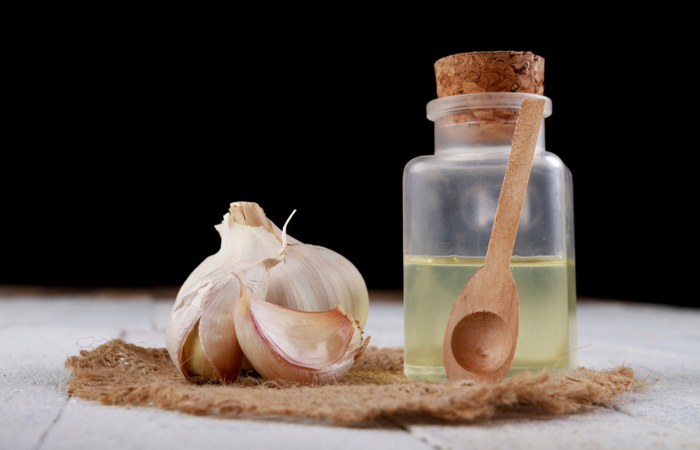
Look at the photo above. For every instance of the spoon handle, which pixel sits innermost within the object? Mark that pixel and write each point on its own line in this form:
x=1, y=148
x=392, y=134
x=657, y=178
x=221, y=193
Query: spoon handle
x=510, y=202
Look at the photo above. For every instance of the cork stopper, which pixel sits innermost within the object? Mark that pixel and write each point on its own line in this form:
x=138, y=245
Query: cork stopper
x=501, y=71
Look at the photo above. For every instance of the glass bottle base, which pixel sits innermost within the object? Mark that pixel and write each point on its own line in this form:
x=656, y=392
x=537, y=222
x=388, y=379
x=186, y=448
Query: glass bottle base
x=437, y=374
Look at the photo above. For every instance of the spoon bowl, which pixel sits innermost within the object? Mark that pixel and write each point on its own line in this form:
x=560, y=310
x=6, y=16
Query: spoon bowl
x=481, y=342
x=482, y=331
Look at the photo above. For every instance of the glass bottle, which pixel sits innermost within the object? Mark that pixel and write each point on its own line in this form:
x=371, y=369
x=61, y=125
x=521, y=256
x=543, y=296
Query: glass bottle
x=449, y=204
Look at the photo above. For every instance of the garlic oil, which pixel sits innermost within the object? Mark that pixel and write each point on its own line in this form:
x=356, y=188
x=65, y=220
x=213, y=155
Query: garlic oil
x=546, y=287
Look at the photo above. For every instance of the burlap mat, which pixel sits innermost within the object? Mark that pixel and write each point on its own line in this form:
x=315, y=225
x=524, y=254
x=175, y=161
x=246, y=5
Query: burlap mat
x=118, y=373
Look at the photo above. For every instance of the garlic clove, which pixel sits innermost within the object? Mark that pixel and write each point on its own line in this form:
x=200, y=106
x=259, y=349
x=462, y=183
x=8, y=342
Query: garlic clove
x=307, y=339
x=212, y=337
x=195, y=361
x=297, y=346
x=217, y=332
x=183, y=319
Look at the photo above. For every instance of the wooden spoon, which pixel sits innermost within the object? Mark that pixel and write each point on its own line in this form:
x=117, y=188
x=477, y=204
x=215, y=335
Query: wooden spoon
x=483, y=327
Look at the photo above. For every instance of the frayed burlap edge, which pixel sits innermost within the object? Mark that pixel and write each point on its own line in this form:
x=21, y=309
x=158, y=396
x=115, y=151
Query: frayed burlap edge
x=119, y=373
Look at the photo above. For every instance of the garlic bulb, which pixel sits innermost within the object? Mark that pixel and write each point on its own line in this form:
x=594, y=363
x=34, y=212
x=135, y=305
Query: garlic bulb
x=312, y=278
x=222, y=317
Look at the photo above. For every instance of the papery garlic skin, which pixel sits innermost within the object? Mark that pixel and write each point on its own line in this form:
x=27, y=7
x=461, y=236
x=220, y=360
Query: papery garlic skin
x=312, y=278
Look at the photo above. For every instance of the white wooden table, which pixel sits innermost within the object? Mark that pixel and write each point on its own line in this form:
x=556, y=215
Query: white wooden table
x=38, y=332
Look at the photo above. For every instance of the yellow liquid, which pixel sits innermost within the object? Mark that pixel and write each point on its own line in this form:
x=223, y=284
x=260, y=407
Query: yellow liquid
x=547, y=291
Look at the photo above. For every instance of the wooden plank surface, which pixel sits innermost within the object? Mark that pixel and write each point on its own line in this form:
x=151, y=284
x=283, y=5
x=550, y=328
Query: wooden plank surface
x=39, y=331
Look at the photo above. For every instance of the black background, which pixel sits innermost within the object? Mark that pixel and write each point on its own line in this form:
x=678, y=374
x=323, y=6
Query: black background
x=126, y=140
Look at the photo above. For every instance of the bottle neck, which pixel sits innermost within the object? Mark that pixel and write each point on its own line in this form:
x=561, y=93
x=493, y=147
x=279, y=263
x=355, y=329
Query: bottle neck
x=454, y=136
x=479, y=122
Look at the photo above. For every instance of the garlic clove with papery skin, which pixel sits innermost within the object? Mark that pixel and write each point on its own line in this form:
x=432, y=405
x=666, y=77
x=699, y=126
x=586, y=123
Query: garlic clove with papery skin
x=197, y=363
x=297, y=346
x=314, y=340
x=205, y=328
